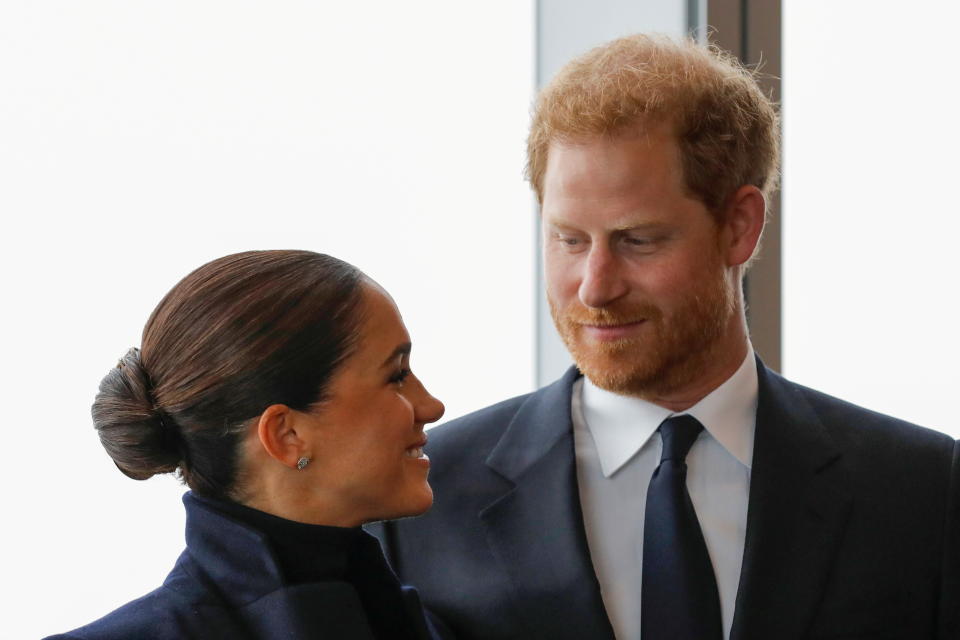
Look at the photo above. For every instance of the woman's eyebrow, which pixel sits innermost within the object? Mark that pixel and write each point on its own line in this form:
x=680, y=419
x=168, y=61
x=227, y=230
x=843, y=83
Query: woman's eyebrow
x=402, y=350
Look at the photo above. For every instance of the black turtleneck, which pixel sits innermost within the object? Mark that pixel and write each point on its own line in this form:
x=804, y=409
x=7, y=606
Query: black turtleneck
x=315, y=553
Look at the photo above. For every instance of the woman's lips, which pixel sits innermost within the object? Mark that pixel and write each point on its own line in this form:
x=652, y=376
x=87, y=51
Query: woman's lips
x=415, y=451
x=612, y=331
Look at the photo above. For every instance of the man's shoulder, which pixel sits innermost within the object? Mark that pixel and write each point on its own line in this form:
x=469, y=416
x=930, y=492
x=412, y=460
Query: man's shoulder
x=483, y=426
x=861, y=426
x=486, y=426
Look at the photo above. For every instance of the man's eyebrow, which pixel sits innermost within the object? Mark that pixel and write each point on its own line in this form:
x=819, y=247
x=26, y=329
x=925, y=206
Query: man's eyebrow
x=638, y=226
x=402, y=350
x=642, y=226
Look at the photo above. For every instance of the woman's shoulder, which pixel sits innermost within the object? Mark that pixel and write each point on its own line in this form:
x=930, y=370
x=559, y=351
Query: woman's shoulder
x=160, y=614
x=181, y=608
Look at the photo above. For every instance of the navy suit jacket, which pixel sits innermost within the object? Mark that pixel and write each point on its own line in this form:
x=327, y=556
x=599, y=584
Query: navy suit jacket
x=852, y=526
x=227, y=584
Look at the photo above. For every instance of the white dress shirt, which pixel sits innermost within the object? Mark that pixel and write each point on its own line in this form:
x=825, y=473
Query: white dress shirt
x=617, y=452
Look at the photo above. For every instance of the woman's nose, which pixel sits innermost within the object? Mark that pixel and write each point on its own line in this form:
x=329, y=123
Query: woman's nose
x=429, y=409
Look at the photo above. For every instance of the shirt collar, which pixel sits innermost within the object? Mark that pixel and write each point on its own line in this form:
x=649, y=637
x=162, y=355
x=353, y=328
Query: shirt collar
x=622, y=425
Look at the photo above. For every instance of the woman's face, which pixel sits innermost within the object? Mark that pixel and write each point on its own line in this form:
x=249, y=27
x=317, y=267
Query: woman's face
x=368, y=445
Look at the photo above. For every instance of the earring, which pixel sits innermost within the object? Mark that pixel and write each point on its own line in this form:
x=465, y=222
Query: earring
x=302, y=462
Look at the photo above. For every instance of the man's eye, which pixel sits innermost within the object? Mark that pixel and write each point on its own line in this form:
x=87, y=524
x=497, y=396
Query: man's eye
x=640, y=241
x=569, y=241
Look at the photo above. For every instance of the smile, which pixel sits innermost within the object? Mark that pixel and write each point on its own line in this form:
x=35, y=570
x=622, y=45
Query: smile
x=613, y=331
x=415, y=451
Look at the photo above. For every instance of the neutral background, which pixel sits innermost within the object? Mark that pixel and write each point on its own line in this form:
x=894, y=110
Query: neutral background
x=871, y=219
x=140, y=139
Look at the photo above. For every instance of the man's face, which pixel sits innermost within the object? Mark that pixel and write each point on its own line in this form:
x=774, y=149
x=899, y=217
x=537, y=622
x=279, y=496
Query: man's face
x=636, y=275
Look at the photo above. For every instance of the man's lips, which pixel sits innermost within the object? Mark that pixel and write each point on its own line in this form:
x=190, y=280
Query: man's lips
x=612, y=331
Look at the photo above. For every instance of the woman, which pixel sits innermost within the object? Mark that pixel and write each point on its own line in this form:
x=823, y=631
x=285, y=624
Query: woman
x=277, y=385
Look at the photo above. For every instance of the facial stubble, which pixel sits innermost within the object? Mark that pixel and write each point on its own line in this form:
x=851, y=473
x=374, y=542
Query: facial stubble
x=672, y=350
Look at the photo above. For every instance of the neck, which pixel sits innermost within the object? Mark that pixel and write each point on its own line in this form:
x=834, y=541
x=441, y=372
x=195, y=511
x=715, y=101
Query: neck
x=293, y=495
x=292, y=505
x=719, y=363
x=288, y=493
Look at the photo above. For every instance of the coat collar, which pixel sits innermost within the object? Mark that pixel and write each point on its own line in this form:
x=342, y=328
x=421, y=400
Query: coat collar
x=797, y=513
x=535, y=528
x=237, y=564
x=541, y=423
x=234, y=556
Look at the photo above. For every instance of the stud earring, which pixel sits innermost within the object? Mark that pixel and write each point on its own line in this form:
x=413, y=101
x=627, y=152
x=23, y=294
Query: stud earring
x=302, y=462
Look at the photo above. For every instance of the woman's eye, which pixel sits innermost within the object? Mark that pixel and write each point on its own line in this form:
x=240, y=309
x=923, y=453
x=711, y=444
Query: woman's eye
x=400, y=376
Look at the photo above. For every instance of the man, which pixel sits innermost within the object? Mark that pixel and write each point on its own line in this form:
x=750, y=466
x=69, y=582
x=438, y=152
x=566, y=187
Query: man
x=670, y=485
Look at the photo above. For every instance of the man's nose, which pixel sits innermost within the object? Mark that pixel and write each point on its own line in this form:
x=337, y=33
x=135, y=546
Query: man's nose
x=602, y=280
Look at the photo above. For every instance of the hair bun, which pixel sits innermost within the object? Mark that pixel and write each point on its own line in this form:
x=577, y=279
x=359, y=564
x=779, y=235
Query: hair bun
x=130, y=426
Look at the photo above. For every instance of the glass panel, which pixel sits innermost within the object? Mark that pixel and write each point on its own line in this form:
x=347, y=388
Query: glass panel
x=870, y=212
x=140, y=140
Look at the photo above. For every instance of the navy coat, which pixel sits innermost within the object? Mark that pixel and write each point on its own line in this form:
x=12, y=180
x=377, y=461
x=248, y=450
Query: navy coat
x=852, y=525
x=226, y=584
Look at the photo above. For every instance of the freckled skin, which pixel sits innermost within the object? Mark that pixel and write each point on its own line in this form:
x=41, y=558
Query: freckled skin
x=643, y=282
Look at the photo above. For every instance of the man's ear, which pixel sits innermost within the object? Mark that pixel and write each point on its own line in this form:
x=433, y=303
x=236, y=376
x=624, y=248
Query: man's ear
x=277, y=431
x=742, y=224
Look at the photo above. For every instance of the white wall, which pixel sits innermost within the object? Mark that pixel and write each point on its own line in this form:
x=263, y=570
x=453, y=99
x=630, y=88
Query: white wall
x=870, y=213
x=141, y=139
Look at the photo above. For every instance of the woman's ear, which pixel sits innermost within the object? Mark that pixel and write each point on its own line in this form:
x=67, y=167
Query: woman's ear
x=277, y=431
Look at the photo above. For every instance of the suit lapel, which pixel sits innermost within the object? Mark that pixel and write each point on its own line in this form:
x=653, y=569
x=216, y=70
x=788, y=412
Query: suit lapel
x=796, y=516
x=535, y=529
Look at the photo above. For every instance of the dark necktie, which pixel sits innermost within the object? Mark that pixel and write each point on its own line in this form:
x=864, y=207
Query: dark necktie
x=679, y=598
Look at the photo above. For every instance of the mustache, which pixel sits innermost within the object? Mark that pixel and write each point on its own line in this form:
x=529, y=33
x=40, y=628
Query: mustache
x=611, y=316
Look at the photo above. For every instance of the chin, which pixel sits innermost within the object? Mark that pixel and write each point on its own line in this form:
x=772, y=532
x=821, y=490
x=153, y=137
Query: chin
x=423, y=502
x=412, y=503
x=618, y=373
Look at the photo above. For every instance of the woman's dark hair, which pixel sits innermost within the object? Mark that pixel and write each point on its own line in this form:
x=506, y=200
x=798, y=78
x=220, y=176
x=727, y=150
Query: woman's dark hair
x=235, y=336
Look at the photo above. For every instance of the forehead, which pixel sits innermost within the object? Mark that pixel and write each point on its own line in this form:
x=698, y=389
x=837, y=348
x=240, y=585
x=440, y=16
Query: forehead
x=627, y=171
x=382, y=329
